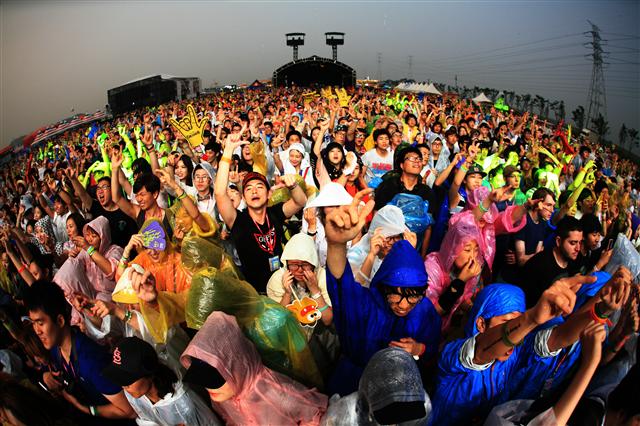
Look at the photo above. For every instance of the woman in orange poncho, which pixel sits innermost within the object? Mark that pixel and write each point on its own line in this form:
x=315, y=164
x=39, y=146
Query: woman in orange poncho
x=157, y=255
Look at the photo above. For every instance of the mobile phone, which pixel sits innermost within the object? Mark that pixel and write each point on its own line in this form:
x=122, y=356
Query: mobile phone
x=610, y=244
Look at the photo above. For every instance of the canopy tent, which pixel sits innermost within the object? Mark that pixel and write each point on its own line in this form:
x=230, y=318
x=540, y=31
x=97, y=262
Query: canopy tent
x=431, y=89
x=482, y=99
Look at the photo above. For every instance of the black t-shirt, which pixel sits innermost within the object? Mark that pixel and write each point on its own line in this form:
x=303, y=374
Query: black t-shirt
x=392, y=186
x=540, y=272
x=532, y=234
x=257, y=243
x=122, y=226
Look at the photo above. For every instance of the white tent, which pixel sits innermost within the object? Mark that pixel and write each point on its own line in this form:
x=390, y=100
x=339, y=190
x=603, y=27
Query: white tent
x=404, y=87
x=482, y=99
x=432, y=89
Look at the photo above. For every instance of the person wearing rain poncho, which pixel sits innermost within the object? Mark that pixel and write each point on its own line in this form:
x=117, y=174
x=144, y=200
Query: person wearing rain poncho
x=392, y=312
x=386, y=228
x=439, y=154
x=99, y=257
x=474, y=373
x=242, y=390
x=294, y=161
x=390, y=392
x=157, y=255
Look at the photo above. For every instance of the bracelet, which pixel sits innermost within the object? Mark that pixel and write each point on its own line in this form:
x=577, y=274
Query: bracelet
x=324, y=308
x=464, y=169
x=91, y=250
x=182, y=196
x=505, y=337
x=124, y=259
x=93, y=410
x=127, y=316
x=483, y=209
x=312, y=234
x=292, y=187
x=316, y=296
x=21, y=270
x=596, y=317
x=224, y=159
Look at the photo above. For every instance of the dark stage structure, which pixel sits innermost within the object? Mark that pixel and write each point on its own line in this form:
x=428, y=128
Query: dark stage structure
x=150, y=91
x=315, y=70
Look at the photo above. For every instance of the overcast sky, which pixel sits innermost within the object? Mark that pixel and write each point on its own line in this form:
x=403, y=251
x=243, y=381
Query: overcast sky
x=57, y=56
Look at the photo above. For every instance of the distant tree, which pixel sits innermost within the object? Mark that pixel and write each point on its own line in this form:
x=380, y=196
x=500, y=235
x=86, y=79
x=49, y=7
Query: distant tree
x=601, y=127
x=526, y=100
x=622, y=135
x=577, y=115
x=633, y=137
x=560, y=112
x=519, y=102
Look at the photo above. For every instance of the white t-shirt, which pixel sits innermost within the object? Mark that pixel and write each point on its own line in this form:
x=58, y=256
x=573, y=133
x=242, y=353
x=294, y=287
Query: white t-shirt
x=60, y=227
x=376, y=165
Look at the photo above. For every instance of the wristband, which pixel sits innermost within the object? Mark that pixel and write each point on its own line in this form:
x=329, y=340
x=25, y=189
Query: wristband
x=483, y=209
x=21, y=270
x=505, y=336
x=182, y=196
x=464, y=169
x=224, y=159
x=292, y=187
x=316, y=296
x=596, y=317
x=127, y=316
x=324, y=308
x=93, y=410
x=91, y=250
x=312, y=234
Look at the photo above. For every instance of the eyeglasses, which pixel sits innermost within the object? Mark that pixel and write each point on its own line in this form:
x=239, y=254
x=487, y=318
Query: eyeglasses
x=201, y=178
x=414, y=159
x=395, y=299
x=103, y=187
x=296, y=266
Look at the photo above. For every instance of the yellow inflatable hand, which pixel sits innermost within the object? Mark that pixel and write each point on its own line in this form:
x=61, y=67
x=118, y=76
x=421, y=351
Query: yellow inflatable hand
x=190, y=127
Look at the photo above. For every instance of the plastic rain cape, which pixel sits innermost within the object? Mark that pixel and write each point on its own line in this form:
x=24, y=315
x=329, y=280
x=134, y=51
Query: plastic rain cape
x=216, y=286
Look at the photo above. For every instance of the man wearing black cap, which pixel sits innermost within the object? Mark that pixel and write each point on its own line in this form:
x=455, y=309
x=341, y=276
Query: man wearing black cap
x=409, y=163
x=153, y=389
x=257, y=231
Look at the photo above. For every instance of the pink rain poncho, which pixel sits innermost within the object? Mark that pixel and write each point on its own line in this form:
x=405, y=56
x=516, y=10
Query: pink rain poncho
x=72, y=279
x=463, y=227
x=102, y=283
x=263, y=397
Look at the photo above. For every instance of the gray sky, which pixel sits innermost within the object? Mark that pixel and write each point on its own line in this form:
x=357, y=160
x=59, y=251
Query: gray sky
x=55, y=56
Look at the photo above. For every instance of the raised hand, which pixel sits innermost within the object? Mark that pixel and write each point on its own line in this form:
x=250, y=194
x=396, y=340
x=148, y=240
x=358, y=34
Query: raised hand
x=345, y=222
x=144, y=285
x=471, y=269
x=165, y=179
x=559, y=299
x=616, y=291
x=592, y=338
x=189, y=127
x=116, y=161
x=377, y=242
x=501, y=194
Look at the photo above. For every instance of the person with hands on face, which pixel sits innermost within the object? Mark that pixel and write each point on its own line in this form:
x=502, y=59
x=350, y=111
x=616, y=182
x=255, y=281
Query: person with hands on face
x=392, y=312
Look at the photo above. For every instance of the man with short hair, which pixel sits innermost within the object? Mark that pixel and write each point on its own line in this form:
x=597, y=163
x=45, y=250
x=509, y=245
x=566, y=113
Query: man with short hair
x=529, y=240
x=257, y=231
x=76, y=360
x=379, y=160
x=553, y=263
x=203, y=182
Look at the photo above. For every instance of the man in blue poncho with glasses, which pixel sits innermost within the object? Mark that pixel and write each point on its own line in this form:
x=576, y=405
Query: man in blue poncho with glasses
x=392, y=312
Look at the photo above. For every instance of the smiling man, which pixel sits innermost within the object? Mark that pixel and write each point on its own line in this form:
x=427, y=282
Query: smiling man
x=256, y=231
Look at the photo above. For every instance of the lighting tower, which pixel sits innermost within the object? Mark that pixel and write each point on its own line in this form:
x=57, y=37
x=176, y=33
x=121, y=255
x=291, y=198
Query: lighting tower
x=334, y=40
x=596, y=99
x=379, y=72
x=294, y=40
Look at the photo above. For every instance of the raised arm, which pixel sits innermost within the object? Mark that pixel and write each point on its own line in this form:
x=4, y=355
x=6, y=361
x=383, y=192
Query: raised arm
x=169, y=182
x=116, y=193
x=80, y=191
x=298, y=197
x=342, y=225
x=223, y=202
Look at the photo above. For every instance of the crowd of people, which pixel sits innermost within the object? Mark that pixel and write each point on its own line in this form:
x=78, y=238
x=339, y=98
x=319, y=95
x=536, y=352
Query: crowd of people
x=282, y=256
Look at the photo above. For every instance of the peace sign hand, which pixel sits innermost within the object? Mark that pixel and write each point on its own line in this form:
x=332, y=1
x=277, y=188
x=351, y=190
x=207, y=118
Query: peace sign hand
x=189, y=127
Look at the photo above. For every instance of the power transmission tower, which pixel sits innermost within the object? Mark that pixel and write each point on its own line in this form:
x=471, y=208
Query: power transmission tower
x=410, y=75
x=379, y=71
x=596, y=100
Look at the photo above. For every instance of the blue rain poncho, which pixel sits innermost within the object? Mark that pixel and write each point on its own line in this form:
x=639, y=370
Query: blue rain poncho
x=365, y=322
x=538, y=376
x=462, y=394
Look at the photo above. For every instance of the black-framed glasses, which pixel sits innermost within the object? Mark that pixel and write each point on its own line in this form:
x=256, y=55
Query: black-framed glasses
x=395, y=299
x=295, y=266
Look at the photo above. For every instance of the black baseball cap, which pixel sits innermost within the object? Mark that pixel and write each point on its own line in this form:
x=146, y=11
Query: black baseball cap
x=475, y=169
x=133, y=359
x=203, y=374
